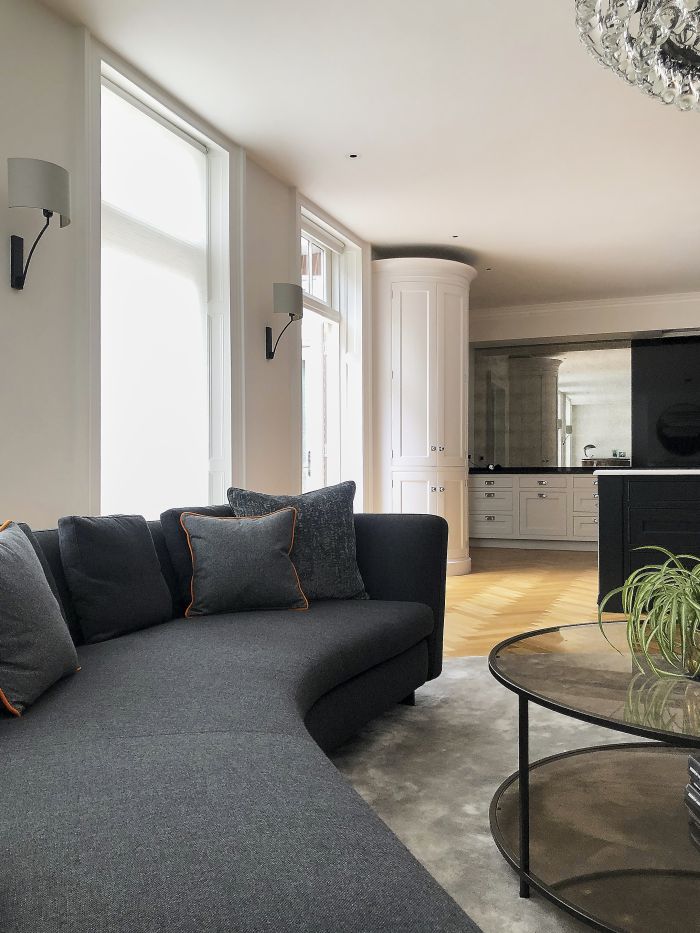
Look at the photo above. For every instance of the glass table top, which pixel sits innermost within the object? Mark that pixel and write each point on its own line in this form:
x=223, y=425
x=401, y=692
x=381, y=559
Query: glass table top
x=574, y=670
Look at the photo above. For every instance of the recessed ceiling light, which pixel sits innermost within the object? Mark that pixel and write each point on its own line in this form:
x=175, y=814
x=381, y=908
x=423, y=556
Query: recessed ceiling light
x=455, y=236
x=353, y=155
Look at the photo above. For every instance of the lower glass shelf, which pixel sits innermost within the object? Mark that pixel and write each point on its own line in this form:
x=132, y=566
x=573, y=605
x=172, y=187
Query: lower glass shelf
x=609, y=837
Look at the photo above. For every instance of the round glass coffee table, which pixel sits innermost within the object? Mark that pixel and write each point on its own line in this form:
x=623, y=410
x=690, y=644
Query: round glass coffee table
x=602, y=832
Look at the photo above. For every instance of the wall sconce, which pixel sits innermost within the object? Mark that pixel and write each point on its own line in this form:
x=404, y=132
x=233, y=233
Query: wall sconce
x=287, y=299
x=43, y=185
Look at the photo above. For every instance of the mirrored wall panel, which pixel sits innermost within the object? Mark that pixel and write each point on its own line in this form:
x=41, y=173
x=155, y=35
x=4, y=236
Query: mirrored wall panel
x=567, y=405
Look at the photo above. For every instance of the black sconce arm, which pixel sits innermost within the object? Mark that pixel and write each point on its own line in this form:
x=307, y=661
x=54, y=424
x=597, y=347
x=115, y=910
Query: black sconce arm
x=18, y=268
x=269, y=349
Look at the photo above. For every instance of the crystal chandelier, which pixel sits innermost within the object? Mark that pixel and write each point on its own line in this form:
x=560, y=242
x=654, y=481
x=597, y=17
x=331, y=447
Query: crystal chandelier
x=654, y=44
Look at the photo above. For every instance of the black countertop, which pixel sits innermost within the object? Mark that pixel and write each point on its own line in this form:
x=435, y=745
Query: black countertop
x=476, y=471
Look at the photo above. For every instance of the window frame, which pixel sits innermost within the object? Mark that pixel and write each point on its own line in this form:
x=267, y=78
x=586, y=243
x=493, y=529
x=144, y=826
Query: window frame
x=218, y=297
x=347, y=293
x=330, y=307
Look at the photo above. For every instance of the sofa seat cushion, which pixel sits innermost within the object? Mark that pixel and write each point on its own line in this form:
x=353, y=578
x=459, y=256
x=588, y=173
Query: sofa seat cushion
x=252, y=671
x=260, y=835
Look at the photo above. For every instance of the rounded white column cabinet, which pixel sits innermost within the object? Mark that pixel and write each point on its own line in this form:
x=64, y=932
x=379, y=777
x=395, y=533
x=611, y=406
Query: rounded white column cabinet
x=421, y=360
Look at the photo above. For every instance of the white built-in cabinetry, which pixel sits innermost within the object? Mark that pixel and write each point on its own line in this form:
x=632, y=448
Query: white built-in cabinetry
x=534, y=507
x=420, y=353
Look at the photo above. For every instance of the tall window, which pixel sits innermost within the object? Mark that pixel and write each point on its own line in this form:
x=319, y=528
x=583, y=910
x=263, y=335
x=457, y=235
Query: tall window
x=155, y=422
x=321, y=387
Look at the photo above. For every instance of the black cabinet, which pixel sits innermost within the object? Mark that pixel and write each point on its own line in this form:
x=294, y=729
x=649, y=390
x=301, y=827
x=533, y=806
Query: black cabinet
x=638, y=511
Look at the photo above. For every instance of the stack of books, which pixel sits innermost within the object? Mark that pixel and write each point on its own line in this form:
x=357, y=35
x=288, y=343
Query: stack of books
x=692, y=799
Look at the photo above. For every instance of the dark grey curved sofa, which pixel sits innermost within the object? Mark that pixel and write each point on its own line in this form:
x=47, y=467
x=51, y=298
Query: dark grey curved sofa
x=178, y=783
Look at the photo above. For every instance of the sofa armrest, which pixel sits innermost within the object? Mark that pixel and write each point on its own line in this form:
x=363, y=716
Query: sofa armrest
x=404, y=557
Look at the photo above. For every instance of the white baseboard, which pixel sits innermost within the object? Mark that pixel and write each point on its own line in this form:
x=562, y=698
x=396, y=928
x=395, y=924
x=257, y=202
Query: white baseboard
x=534, y=545
x=458, y=568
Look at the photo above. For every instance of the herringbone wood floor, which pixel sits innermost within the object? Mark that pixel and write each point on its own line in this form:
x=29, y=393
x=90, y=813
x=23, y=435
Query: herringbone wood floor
x=511, y=591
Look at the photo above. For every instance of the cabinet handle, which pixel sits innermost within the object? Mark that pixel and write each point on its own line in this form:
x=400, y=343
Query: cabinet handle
x=433, y=447
x=595, y=495
x=595, y=482
x=541, y=495
x=441, y=448
x=595, y=521
x=442, y=489
x=433, y=488
x=542, y=482
x=490, y=518
x=490, y=495
x=490, y=482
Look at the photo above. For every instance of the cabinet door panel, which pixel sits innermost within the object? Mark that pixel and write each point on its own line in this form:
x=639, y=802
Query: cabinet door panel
x=414, y=384
x=415, y=492
x=452, y=506
x=451, y=375
x=543, y=514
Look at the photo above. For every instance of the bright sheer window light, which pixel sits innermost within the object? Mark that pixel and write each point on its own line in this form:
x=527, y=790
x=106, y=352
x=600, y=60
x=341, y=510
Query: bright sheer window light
x=154, y=372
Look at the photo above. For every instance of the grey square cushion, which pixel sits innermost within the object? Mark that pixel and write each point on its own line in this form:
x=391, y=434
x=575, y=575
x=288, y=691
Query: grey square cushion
x=36, y=649
x=242, y=563
x=113, y=574
x=324, y=550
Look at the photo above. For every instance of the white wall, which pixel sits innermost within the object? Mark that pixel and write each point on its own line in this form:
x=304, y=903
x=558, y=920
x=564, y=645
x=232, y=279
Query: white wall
x=45, y=330
x=44, y=420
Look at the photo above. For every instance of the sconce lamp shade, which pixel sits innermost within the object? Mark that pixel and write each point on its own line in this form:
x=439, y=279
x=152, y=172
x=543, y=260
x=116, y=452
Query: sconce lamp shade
x=288, y=299
x=35, y=183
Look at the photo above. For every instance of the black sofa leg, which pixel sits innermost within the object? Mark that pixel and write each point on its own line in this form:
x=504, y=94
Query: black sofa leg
x=410, y=700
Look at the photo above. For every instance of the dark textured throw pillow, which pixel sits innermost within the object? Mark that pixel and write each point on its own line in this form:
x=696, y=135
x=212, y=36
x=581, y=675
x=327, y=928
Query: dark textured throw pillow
x=242, y=563
x=113, y=574
x=324, y=545
x=36, y=649
x=176, y=541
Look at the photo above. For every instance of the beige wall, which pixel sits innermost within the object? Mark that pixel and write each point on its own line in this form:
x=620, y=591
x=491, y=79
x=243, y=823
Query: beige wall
x=44, y=330
x=272, y=392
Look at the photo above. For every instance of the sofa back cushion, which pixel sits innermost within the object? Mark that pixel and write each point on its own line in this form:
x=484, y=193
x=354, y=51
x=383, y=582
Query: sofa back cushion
x=50, y=548
x=51, y=551
x=36, y=649
x=113, y=574
x=178, y=548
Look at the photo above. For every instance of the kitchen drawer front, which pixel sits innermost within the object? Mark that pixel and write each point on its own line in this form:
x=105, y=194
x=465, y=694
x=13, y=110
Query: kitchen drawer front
x=491, y=525
x=586, y=500
x=585, y=527
x=543, y=514
x=490, y=482
x=681, y=493
x=544, y=481
x=585, y=482
x=490, y=500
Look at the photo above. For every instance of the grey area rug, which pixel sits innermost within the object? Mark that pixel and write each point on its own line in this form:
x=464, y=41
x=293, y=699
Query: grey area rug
x=430, y=772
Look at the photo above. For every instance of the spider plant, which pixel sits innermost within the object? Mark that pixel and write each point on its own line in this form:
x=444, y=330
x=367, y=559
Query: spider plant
x=661, y=603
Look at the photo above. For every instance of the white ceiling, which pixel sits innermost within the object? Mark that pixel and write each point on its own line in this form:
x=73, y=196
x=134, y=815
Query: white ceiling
x=472, y=117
